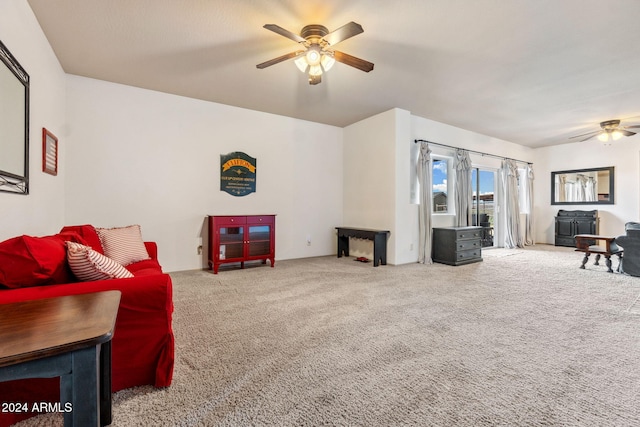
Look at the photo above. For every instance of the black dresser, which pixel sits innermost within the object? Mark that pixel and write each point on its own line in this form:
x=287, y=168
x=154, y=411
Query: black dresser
x=457, y=245
x=570, y=223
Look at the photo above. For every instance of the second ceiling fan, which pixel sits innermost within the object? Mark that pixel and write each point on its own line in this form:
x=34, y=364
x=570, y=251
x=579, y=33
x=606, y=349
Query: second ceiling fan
x=318, y=56
x=609, y=130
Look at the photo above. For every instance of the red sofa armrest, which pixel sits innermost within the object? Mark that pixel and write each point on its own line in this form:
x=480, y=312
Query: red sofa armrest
x=152, y=249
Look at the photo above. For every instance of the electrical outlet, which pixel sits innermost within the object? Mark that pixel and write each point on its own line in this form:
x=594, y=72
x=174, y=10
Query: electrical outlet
x=200, y=250
x=308, y=240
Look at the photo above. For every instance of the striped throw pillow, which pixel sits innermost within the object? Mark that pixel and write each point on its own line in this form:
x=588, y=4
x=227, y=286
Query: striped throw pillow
x=123, y=244
x=88, y=265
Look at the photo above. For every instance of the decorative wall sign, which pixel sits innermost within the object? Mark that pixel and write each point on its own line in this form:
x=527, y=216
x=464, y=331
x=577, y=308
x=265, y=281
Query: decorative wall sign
x=49, y=152
x=237, y=173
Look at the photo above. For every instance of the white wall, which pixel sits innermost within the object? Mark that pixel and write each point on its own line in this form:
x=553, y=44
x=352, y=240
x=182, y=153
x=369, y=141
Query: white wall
x=406, y=213
x=369, y=178
x=376, y=182
x=150, y=158
x=42, y=211
x=624, y=155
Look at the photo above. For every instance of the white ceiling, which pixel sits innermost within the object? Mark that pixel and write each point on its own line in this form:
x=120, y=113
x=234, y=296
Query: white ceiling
x=534, y=72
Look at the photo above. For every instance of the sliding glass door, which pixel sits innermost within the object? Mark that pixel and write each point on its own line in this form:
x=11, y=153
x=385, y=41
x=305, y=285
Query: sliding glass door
x=484, y=184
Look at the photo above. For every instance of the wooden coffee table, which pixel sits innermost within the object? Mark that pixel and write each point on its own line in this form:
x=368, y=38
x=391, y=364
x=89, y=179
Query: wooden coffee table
x=67, y=337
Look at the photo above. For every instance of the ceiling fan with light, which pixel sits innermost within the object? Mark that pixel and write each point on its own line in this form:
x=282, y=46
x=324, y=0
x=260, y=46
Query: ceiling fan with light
x=318, y=55
x=610, y=131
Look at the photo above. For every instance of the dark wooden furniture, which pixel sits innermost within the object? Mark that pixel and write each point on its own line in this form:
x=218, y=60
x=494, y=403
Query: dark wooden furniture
x=237, y=239
x=379, y=238
x=570, y=223
x=584, y=244
x=457, y=245
x=630, y=242
x=67, y=337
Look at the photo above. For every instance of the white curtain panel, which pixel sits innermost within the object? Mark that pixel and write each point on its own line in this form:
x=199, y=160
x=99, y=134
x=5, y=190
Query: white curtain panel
x=462, y=166
x=528, y=231
x=563, y=189
x=590, y=190
x=512, y=238
x=581, y=188
x=423, y=169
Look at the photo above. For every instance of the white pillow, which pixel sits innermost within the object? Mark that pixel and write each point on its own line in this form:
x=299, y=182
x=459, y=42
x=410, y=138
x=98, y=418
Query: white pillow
x=123, y=244
x=88, y=265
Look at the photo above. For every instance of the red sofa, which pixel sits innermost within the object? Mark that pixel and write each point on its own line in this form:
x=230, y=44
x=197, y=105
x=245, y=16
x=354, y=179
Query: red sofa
x=143, y=341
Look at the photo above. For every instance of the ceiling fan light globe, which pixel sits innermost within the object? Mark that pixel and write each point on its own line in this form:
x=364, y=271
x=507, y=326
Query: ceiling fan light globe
x=302, y=64
x=604, y=137
x=616, y=135
x=327, y=62
x=315, y=70
x=313, y=55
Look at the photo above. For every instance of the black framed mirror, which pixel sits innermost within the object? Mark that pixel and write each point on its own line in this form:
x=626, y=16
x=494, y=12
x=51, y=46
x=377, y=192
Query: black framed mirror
x=583, y=187
x=14, y=124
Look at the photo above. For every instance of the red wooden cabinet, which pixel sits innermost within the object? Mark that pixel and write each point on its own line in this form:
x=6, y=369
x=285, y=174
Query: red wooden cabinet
x=234, y=239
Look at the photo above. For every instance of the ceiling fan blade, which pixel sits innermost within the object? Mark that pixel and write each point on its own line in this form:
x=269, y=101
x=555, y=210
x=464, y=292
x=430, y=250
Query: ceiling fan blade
x=279, y=59
x=592, y=133
x=352, y=61
x=589, y=137
x=627, y=132
x=346, y=31
x=286, y=33
x=632, y=126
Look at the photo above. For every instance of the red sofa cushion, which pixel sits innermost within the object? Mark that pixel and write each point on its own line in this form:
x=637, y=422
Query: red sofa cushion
x=145, y=267
x=33, y=261
x=88, y=233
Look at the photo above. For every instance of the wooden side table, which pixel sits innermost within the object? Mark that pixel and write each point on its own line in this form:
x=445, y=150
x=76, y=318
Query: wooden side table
x=583, y=245
x=67, y=337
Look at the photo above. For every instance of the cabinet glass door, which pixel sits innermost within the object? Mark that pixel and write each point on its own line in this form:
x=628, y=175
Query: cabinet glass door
x=259, y=240
x=231, y=242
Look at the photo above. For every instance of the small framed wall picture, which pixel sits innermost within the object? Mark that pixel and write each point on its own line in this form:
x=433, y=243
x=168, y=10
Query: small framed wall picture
x=49, y=152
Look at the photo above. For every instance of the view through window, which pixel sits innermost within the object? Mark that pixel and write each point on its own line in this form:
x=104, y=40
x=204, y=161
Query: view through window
x=483, y=208
x=439, y=180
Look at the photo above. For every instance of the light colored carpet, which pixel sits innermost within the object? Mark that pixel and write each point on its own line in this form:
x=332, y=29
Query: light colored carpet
x=524, y=338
